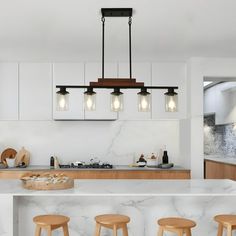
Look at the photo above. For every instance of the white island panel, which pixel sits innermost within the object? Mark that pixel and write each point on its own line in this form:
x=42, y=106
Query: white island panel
x=143, y=211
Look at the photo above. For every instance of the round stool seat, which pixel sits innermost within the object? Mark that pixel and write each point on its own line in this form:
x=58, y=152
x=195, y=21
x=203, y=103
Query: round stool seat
x=50, y=223
x=176, y=223
x=227, y=222
x=45, y=220
x=110, y=219
x=226, y=219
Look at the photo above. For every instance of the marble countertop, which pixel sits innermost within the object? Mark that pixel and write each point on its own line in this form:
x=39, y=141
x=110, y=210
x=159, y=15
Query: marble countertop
x=130, y=188
x=115, y=167
x=222, y=159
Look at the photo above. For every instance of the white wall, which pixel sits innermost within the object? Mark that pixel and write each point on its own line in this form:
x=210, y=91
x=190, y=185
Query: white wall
x=117, y=142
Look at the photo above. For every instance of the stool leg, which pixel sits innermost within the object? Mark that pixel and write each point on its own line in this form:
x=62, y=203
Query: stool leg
x=160, y=232
x=115, y=230
x=220, y=230
x=49, y=231
x=65, y=230
x=38, y=230
x=188, y=232
x=98, y=230
x=229, y=230
x=125, y=230
x=180, y=232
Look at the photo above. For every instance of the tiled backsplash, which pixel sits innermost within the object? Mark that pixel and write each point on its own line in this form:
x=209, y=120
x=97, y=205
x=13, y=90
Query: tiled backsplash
x=219, y=139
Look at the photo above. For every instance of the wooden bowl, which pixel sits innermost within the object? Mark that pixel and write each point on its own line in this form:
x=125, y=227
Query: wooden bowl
x=47, y=182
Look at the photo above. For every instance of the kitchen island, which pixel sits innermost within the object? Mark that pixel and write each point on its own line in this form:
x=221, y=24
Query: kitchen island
x=144, y=201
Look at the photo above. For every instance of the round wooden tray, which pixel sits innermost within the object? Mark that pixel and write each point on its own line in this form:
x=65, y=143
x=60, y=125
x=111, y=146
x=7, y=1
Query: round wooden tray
x=44, y=185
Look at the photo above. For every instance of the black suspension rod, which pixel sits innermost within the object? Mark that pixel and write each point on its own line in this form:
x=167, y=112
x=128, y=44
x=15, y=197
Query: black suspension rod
x=130, y=49
x=103, y=45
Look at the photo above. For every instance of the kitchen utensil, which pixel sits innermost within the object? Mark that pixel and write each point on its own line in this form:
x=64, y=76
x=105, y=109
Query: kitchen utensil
x=22, y=156
x=8, y=153
x=152, y=161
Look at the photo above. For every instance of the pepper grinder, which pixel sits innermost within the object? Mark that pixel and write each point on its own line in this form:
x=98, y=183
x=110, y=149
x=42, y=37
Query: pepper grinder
x=56, y=163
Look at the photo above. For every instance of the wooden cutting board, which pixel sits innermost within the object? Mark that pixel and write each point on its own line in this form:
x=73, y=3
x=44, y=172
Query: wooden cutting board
x=7, y=153
x=22, y=156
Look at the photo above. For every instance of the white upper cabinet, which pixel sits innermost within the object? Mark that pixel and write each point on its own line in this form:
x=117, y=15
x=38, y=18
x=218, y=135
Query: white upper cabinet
x=142, y=73
x=210, y=100
x=168, y=74
x=35, y=91
x=69, y=74
x=92, y=73
x=221, y=99
x=8, y=91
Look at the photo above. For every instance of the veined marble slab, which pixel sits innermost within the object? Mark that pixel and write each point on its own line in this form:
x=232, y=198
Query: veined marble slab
x=143, y=211
x=130, y=188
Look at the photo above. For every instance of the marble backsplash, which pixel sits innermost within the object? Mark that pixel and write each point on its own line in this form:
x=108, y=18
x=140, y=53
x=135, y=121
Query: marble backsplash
x=219, y=139
x=116, y=142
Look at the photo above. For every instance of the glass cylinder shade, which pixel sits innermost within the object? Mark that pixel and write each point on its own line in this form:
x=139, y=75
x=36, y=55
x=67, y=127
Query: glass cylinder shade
x=62, y=100
x=171, y=102
x=144, y=101
x=90, y=100
x=116, y=101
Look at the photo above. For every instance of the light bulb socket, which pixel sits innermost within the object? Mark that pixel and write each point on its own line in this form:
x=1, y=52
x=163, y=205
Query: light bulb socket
x=89, y=91
x=171, y=92
x=116, y=92
x=143, y=92
x=62, y=91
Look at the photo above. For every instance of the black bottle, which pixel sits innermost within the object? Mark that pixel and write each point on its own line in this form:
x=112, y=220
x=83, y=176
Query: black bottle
x=52, y=162
x=165, y=159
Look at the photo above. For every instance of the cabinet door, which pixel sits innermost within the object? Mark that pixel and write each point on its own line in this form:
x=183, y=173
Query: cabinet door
x=35, y=91
x=210, y=100
x=92, y=73
x=142, y=73
x=168, y=74
x=69, y=74
x=8, y=91
x=225, y=100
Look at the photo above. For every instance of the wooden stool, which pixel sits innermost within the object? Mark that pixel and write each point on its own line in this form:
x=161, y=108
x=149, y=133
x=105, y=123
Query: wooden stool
x=51, y=222
x=226, y=221
x=114, y=222
x=177, y=225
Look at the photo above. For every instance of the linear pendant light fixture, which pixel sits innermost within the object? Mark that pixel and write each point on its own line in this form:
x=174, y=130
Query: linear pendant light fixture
x=117, y=84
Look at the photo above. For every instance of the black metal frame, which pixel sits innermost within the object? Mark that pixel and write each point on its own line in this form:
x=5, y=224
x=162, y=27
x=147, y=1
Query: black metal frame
x=117, y=12
x=112, y=87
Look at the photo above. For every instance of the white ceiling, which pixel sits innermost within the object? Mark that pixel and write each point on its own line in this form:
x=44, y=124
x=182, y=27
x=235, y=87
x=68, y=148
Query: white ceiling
x=71, y=29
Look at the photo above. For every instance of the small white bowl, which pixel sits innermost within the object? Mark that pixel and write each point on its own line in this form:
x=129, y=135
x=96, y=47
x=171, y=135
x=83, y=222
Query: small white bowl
x=141, y=163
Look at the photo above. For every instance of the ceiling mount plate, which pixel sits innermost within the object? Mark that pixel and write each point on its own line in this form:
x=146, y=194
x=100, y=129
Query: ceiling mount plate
x=117, y=12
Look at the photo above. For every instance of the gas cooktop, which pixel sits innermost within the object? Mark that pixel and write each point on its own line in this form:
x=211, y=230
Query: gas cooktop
x=88, y=166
